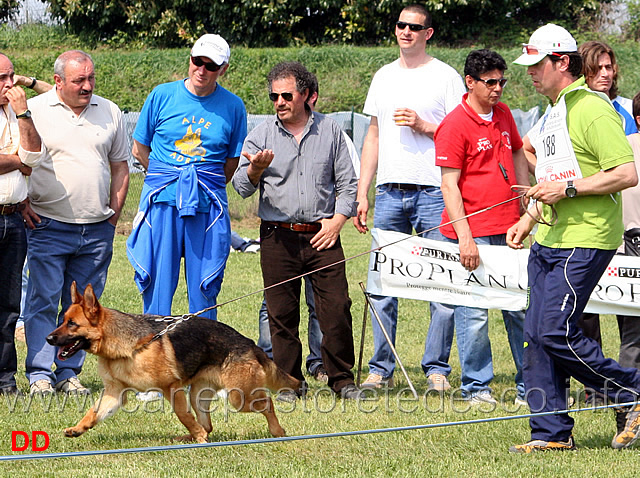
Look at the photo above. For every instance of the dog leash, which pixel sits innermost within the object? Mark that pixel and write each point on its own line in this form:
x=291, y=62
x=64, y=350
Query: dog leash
x=174, y=321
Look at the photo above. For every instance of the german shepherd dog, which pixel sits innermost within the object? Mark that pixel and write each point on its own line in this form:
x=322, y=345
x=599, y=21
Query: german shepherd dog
x=203, y=353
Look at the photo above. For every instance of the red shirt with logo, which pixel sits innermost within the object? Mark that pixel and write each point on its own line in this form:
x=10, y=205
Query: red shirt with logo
x=483, y=151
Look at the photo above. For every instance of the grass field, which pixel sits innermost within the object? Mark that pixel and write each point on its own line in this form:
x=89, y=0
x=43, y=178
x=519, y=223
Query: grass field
x=478, y=449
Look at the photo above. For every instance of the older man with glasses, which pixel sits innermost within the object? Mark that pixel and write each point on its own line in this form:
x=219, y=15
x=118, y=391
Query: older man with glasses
x=189, y=137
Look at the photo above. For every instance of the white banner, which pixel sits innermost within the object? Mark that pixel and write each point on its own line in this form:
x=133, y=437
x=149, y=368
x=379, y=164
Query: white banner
x=415, y=268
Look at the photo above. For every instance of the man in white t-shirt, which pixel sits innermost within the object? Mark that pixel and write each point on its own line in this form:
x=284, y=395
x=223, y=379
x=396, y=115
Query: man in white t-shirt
x=407, y=100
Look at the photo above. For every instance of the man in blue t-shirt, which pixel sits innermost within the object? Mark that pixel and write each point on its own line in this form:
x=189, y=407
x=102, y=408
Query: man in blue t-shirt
x=189, y=137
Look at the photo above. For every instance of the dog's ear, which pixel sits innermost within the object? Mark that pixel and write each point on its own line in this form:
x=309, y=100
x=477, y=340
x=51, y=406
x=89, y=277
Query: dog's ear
x=75, y=297
x=90, y=305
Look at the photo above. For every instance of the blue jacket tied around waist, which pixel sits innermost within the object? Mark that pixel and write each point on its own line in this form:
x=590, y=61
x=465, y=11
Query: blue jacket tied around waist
x=218, y=231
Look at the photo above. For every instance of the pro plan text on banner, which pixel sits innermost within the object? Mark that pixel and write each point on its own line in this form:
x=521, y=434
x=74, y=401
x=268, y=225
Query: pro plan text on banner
x=415, y=268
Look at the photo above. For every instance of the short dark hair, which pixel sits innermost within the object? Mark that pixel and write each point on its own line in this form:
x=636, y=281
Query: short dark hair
x=420, y=9
x=482, y=61
x=304, y=79
x=590, y=52
x=313, y=87
x=635, y=109
x=575, y=62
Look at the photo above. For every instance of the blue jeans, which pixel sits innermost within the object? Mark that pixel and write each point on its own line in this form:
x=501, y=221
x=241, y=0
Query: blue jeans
x=314, y=359
x=58, y=254
x=402, y=211
x=474, y=347
x=13, y=248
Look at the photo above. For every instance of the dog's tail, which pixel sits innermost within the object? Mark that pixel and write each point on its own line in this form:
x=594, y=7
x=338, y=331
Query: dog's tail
x=276, y=377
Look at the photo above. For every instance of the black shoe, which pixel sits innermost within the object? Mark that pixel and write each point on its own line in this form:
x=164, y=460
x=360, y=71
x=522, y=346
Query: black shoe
x=351, y=392
x=287, y=396
x=11, y=390
x=594, y=399
x=320, y=374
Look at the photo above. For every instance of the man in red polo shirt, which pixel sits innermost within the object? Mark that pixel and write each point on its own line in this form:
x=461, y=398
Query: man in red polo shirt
x=480, y=152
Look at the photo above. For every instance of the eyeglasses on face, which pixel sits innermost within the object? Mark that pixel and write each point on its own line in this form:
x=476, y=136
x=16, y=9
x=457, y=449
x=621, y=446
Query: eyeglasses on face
x=285, y=96
x=197, y=61
x=414, y=27
x=534, y=50
x=492, y=82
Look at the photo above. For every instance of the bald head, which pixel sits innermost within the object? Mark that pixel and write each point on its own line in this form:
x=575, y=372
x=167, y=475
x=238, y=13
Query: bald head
x=6, y=77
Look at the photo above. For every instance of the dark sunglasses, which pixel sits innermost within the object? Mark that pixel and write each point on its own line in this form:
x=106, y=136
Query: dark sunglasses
x=285, y=96
x=414, y=27
x=197, y=61
x=492, y=82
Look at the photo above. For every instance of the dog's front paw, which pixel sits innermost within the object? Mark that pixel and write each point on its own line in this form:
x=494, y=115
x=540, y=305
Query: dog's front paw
x=73, y=432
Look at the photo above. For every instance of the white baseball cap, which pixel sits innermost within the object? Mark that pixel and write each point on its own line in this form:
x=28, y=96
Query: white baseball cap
x=213, y=47
x=546, y=40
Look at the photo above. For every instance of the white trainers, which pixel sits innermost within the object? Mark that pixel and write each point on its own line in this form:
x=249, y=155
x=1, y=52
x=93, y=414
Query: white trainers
x=438, y=382
x=148, y=396
x=377, y=381
x=72, y=385
x=42, y=386
x=483, y=396
x=520, y=402
x=252, y=248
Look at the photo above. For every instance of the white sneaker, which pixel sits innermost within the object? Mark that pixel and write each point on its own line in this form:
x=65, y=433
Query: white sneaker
x=252, y=248
x=438, y=382
x=483, y=396
x=377, y=381
x=520, y=402
x=148, y=396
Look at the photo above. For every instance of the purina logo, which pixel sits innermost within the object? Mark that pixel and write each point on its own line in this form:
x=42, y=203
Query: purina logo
x=628, y=272
x=434, y=254
x=633, y=273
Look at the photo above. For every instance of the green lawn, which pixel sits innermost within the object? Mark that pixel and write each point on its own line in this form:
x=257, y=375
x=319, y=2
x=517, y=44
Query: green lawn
x=477, y=449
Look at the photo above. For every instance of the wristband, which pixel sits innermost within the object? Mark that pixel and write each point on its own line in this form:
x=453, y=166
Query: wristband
x=33, y=82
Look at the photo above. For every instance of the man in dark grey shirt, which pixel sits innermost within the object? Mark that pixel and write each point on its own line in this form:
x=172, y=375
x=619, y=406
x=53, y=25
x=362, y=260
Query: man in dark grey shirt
x=300, y=163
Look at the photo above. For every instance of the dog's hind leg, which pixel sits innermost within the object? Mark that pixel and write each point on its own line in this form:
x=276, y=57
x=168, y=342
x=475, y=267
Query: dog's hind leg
x=200, y=397
x=104, y=407
x=252, y=397
x=179, y=404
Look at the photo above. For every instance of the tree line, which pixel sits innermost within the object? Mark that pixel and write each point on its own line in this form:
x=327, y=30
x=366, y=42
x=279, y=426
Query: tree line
x=260, y=23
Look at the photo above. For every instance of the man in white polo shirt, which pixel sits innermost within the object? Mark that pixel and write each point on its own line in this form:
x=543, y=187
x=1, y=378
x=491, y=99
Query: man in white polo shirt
x=76, y=196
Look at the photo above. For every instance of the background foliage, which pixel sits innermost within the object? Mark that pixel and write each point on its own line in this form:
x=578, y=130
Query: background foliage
x=8, y=8
x=258, y=23
x=127, y=75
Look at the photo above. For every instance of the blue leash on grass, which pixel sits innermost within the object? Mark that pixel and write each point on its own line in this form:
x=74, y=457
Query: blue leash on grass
x=260, y=441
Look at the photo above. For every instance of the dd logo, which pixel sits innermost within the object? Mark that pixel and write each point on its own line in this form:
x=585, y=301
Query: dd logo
x=25, y=439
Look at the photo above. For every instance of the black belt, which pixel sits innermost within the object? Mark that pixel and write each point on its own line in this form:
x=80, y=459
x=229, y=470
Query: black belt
x=297, y=226
x=8, y=209
x=407, y=187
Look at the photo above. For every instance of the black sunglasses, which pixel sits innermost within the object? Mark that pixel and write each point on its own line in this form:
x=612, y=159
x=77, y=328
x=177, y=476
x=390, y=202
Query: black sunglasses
x=492, y=82
x=197, y=61
x=414, y=27
x=285, y=96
